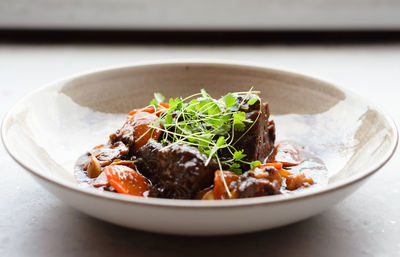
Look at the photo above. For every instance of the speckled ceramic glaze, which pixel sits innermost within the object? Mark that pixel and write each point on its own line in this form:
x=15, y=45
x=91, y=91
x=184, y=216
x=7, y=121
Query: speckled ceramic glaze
x=47, y=130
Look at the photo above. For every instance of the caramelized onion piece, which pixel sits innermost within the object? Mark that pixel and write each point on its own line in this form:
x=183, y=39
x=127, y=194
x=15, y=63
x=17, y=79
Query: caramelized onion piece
x=101, y=180
x=300, y=180
x=93, y=168
x=209, y=195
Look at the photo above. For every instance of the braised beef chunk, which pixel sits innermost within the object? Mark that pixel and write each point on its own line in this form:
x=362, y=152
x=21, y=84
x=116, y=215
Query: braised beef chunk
x=259, y=141
x=259, y=182
x=177, y=171
x=124, y=134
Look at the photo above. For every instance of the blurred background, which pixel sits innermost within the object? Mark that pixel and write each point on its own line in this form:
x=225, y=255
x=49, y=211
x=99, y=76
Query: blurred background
x=184, y=20
x=201, y=15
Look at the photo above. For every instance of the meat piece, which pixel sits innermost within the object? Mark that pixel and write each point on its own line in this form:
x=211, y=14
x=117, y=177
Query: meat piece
x=124, y=134
x=286, y=153
x=177, y=171
x=259, y=141
x=136, y=132
x=259, y=182
x=108, y=153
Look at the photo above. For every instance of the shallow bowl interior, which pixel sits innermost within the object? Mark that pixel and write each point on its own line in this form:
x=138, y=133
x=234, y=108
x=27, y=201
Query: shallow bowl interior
x=47, y=130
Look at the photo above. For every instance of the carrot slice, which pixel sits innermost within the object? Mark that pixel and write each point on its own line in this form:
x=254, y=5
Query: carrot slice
x=160, y=108
x=140, y=122
x=163, y=105
x=285, y=173
x=133, y=112
x=220, y=191
x=276, y=165
x=126, y=180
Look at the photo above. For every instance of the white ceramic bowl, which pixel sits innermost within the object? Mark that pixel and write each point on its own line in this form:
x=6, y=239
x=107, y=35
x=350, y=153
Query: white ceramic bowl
x=47, y=130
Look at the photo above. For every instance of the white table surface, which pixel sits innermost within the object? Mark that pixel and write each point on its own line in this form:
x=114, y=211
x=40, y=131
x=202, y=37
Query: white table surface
x=34, y=223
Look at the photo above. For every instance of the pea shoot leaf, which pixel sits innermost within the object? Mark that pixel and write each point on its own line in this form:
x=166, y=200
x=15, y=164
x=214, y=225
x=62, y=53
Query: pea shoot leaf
x=254, y=164
x=192, y=105
x=239, y=155
x=238, y=119
x=235, y=167
x=175, y=104
x=205, y=139
x=168, y=119
x=252, y=101
x=153, y=102
x=221, y=141
x=229, y=100
x=202, y=105
x=214, y=109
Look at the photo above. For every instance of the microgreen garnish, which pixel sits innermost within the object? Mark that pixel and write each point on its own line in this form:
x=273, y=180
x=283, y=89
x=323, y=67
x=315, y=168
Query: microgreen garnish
x=229, y=100
x=254, y=164
x=252, y=101
x=235, y=168
x=238, y=155
x=208, y=124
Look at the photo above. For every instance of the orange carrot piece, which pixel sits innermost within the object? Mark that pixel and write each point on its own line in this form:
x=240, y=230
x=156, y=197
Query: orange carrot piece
x=134, y=111
x=219, y=186
x=126, y=180
x=285, y=173
x=140, y=122
x=276, y=165
x=163, y=105
x=160, y=108
x=294, y=182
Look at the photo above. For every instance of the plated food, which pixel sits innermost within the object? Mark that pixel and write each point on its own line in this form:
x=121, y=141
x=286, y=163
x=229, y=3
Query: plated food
x=46, y=132
x=200, y=147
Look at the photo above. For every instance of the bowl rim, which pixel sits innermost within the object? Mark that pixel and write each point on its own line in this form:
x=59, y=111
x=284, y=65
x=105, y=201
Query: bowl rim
x=179, y=203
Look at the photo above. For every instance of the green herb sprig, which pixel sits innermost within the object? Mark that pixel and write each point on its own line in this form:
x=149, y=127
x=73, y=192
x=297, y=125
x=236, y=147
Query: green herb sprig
x=208, y=124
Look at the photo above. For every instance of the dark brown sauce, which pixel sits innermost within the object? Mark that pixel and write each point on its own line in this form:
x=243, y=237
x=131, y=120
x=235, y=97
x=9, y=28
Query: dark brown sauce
x=311, y=166
x=82, y=177
x=80, y=174
x=306, y=162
